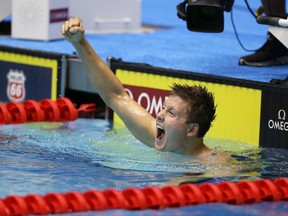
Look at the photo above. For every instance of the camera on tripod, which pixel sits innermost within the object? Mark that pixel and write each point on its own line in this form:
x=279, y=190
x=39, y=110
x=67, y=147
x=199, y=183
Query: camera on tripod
x=204, y=15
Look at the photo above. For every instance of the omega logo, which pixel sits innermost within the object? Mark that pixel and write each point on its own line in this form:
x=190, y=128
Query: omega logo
x=280, y=123
x=152, y=104
x=282, y=115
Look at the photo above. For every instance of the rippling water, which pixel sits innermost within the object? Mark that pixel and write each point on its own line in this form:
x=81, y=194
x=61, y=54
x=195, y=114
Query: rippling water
x=85, y=154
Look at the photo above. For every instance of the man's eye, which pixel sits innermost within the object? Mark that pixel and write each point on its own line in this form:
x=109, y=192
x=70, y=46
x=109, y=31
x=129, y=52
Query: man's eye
x=171, y=113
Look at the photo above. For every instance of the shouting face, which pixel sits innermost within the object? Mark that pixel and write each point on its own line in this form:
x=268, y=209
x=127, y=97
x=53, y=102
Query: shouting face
x=171, y=125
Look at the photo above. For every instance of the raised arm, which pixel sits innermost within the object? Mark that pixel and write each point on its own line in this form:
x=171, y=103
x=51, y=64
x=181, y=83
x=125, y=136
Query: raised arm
x=108, y=86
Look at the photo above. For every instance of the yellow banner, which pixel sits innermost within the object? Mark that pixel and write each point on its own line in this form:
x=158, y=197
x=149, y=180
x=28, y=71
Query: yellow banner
x=238, y=108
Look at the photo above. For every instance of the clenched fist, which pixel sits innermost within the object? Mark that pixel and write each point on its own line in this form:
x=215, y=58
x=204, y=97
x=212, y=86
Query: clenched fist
x=73, y=30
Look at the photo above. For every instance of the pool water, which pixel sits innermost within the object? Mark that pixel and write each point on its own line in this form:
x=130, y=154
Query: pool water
x=85, y=154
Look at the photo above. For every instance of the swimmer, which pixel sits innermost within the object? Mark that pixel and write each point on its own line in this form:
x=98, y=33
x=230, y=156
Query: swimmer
x=179, y=127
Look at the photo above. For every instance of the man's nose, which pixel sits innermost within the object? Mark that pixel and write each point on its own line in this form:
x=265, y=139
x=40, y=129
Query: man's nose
x=159, y=116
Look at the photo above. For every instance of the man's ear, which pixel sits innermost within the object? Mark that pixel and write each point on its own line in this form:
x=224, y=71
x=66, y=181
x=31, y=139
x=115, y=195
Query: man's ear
x=193, y=129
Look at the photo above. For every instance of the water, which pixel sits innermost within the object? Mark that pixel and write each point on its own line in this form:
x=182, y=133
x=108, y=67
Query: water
x=85, y=154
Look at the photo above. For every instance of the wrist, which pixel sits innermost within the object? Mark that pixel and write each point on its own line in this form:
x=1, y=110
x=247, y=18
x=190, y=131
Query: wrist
x=80, y=42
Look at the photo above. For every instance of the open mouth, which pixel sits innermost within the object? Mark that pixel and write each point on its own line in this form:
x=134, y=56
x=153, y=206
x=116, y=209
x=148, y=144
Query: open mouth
x=160, y=133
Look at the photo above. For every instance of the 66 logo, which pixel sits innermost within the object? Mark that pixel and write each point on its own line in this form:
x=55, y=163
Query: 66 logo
x=16, y=87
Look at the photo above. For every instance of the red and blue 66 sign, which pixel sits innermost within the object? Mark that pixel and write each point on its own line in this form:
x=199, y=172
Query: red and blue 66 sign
x=16, y=85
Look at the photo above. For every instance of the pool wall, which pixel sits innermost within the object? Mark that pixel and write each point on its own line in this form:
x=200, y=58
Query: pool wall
x=250, y=112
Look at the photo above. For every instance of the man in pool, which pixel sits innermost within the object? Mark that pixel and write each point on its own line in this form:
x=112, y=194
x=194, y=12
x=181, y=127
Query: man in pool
x=179, y=127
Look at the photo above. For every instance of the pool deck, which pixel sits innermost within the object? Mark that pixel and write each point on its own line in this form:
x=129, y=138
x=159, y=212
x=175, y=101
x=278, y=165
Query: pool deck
x=174, y=47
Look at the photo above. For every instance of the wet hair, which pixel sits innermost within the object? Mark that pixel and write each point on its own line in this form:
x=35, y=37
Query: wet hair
x=201, y=105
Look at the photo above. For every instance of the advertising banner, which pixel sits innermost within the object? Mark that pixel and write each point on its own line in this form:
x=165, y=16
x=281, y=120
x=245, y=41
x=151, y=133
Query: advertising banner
x=27, y=74
x=247, y=111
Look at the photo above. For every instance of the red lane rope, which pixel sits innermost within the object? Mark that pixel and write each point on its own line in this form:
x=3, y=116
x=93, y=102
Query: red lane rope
x=242, y=192
x=61, y=110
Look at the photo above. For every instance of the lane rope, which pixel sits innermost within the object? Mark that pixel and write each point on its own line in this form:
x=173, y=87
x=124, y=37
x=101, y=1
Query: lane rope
x=242, y=192
x=60, y=110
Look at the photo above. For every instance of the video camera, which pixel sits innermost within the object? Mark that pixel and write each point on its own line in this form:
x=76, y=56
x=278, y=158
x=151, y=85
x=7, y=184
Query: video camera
x=204, y=15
